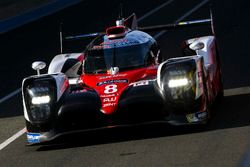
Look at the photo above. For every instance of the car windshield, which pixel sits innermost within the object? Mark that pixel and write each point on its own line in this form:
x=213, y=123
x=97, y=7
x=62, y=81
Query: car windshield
x=101, y=58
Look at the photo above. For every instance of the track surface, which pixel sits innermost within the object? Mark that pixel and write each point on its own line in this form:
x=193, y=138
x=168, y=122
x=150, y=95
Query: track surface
x=223, y=144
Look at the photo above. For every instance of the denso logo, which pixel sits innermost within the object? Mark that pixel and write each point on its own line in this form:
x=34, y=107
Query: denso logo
x=113, y=76
x=109, y=104
x=110, y=99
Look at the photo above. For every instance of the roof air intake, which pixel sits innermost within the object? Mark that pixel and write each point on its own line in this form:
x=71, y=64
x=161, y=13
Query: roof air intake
x=115, y=32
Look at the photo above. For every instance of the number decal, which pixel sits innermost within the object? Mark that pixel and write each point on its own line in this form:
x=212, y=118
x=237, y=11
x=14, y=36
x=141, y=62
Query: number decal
x=110, y=89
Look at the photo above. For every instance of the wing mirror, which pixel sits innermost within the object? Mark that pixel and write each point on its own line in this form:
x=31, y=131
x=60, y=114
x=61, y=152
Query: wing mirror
x=38, y=65
x=196, y=45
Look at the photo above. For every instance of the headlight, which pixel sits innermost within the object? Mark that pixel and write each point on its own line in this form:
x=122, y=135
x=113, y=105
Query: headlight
x=40, y=96
x=40, y=100
x=177, y=80
x=172, y=83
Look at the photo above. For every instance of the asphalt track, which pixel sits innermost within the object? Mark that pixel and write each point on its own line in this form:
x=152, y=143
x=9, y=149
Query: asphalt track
x=224, y=143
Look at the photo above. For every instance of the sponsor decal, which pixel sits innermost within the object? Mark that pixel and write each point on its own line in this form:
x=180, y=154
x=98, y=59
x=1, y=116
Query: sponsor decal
x=201, y=115
x=99, y=47
x=33, y=137
x=117, y=42
x=108, y=95
x=114, y=41
x=140, y=83
x=195, y=117
x=112, y=76
x=112, y=81
x=109, y=104
x=109, y=99
x=120, y=42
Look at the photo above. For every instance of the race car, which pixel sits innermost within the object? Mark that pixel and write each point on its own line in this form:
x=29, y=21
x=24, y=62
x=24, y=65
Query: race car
x=122, y=79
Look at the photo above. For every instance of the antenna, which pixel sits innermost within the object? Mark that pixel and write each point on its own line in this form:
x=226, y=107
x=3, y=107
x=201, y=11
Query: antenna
x=212, y=19
x=61, y=38
x=121, y=11
x=120, y=19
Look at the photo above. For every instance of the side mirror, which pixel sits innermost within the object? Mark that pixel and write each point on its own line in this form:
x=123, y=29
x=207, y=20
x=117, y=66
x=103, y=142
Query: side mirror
x=38, y=65
x=196, y=45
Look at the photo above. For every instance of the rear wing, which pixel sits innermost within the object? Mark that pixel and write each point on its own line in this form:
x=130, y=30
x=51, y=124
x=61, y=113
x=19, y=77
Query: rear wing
x=182, y=24
x=131, y=23
x=178, y=25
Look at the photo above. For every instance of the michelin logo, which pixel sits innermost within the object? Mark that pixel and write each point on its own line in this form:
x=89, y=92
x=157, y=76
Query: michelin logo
x=33, y=137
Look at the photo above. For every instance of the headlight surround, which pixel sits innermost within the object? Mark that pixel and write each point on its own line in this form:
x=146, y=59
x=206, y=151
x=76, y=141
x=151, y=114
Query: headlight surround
x=179, y=82
x=40, y=96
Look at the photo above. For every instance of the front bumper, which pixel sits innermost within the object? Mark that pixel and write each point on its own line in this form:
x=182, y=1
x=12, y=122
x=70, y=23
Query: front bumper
x=81, y=115
x=172, y=119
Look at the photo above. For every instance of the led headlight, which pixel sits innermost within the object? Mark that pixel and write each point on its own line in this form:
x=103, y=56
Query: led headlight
x=173, y=83
x=39, y=95
x=40, y=100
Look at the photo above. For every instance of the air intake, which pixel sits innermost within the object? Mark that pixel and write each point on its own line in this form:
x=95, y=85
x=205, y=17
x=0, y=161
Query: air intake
x=115, y=32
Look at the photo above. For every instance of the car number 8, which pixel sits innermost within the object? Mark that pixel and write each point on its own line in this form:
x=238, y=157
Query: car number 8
x=110, y=89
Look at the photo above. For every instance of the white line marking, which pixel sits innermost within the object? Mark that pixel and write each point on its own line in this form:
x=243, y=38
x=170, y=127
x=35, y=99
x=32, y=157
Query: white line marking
x=237, y=91
x=10, y=95
x=12, y=138
x=183, y=17
x=154, y=10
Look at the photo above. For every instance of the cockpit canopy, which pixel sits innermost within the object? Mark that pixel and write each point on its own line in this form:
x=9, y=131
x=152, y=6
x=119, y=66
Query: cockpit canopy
x=131, y=51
